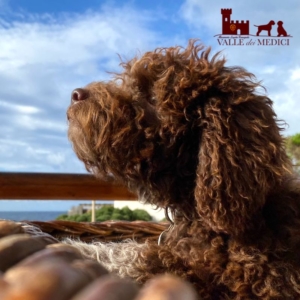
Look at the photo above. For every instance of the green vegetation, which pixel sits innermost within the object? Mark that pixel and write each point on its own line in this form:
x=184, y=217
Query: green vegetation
x=296, y=139
x=293, y=150
x=108, y=212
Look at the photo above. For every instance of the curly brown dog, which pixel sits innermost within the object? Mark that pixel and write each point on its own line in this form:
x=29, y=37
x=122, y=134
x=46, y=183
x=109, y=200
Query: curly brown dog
x=267, y=27
x=193, y=136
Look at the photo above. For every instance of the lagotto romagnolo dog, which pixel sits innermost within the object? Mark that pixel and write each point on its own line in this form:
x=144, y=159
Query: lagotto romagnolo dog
x=191, y=135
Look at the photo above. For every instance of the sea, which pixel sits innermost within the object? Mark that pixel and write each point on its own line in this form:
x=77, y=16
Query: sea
x=30, y=215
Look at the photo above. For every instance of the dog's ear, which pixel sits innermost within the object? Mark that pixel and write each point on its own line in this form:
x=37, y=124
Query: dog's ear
x=241, y=156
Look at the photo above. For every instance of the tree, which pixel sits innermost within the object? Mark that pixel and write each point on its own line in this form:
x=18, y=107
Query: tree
x=140, y=214
x=127, y=214
x=104, y=213
x=293, y=150
x=108, y=212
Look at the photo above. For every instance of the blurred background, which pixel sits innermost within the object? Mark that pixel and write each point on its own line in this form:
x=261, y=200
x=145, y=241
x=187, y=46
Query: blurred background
x=48, y=48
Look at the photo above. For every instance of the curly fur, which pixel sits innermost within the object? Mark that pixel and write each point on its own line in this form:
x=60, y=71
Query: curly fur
x=192, y=135
x=118, y=258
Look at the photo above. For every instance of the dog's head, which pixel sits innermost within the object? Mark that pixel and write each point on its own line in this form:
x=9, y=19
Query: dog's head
x=272, y=22
x=185, y=132
x=280, y=23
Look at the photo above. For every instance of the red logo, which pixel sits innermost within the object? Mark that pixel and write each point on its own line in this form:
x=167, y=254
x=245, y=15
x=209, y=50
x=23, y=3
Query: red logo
x=234, y=33
x=233, y=27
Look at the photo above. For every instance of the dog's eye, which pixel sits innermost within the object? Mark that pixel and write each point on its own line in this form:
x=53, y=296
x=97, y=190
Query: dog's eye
x=152, y=100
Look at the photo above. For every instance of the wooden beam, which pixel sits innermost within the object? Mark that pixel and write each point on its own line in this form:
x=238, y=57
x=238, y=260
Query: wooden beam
x=47, y=186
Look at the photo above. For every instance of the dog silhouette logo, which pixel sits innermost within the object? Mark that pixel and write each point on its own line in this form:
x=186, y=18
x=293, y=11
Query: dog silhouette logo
x=281, y=31
x=267, y=27
x=235, y=32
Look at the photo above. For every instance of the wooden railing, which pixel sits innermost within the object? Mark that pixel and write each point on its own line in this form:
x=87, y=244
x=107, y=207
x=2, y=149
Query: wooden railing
x=48, y=186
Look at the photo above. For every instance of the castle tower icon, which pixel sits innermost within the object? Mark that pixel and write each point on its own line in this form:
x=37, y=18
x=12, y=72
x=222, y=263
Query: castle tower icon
x=233, y=27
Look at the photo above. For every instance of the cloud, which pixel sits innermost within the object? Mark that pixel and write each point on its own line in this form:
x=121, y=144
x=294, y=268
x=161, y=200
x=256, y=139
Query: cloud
x=285, y=101
x=42, y=58
x=19, y=108
x=273, y=65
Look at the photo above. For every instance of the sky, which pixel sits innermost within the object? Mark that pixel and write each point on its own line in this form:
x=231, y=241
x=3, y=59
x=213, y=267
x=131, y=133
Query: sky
x=48, y=48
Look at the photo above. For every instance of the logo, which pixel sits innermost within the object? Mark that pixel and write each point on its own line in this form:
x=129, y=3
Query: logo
x=237, y=33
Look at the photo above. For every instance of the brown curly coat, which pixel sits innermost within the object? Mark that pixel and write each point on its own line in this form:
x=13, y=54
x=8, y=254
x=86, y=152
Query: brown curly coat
x=192, y=135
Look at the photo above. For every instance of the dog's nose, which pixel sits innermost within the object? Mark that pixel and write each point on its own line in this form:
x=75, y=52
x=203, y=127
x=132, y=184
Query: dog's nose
x=79, y=95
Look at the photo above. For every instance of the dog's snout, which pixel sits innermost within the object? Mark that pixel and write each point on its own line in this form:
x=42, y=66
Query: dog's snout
x=79, y=95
